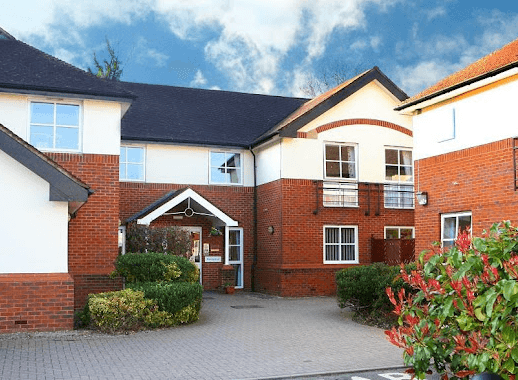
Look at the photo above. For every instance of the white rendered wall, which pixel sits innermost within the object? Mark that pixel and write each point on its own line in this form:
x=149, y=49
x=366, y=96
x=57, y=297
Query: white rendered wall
x=101, y=121
x=372, y=101
x=304, y=158
x=188, y=164
x=14, y=113
x=33, y=230
x=482, y=118
x=268, y=162
x=101, y=127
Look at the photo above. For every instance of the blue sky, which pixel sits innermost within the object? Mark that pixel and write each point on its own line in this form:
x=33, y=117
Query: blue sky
x=267, y=46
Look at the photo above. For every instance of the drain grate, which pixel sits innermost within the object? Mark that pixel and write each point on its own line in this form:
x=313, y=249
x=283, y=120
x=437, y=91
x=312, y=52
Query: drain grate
x=208, y=298
x=246, y=307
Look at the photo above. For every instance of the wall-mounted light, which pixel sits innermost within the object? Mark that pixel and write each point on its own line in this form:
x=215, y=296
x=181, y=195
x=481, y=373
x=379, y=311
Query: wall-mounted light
x=422, y=198
x=271, y=230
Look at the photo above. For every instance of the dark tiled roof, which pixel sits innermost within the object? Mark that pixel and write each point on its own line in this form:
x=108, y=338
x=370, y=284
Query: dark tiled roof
x=201, y=117
x=27, y=69
x=492, y=64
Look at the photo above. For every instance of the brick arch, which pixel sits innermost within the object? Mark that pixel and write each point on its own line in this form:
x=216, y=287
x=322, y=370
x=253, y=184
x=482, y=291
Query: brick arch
x=341, y=123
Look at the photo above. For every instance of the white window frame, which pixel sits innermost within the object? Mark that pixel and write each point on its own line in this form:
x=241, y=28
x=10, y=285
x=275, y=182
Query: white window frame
x=399, y=186
x=56, y=102
x=455, y=215
x=399, y=228
x=241, y=261
x=340, y=144
x=144, y=151
x=356, y=251
x=241, y=168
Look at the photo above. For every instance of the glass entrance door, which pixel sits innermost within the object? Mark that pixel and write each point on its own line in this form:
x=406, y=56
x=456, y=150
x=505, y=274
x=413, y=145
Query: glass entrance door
x=195, y=255
x=234, y=242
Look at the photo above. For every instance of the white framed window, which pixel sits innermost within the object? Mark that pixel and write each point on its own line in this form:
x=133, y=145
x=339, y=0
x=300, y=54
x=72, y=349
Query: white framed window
x=399, y=177
x=132, y=163
x=234, y=252
x=341, y=245
x=340, y=194
x=55, y=126
x=226, y=168
x=452, y=225
x=396, y=232
x=340, y=161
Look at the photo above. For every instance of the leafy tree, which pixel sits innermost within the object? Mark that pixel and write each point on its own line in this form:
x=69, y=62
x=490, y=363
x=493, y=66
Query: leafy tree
x=111, y=69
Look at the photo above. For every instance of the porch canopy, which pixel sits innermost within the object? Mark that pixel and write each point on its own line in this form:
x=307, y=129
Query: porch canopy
x=194, y=204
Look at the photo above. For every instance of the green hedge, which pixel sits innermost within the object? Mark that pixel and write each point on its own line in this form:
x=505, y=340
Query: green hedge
x=363, y=287
x=124, y=310
x=156, y=266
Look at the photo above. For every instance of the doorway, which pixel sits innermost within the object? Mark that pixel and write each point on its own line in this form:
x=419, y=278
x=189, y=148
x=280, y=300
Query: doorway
x=195, y=255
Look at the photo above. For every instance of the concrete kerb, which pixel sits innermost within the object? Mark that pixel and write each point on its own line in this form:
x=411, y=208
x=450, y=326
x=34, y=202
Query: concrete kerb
x=326, y=374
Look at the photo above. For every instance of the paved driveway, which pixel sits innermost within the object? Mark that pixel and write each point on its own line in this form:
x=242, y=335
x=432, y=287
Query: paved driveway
x=237, y=337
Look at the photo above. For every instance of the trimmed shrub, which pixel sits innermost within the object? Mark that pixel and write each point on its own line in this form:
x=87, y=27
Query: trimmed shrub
x=363, y=287
x=124, y=310
x=155, y=266
x=173, y=297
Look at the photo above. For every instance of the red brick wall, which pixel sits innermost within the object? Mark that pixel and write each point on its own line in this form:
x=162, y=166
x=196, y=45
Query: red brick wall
x=92, y=234
x=235, y=201
x=478, y=179
x=290, y=262
x=36, y=302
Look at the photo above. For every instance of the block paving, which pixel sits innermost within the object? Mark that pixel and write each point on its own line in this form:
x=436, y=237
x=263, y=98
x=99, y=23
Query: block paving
x=241, y=336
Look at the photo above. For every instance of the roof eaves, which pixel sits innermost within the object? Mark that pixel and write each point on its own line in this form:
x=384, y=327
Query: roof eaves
x=48, y=91
x=63, y=185
x=291, y=128
x=454, y=87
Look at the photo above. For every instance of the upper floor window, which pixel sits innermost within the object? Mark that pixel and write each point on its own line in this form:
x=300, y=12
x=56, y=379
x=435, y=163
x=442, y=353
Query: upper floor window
x=452, y=225
x=399, y=173
x=226, y=168
x=340, y=161
x=55, y=126
x=131, y=163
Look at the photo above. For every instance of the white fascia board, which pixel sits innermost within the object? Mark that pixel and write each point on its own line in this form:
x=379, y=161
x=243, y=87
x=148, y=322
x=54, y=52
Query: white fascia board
x=188, y=193
x=473, y=86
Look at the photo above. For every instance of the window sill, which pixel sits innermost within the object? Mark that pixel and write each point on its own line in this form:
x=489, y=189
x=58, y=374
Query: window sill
x=334, y=206
x=340, y=262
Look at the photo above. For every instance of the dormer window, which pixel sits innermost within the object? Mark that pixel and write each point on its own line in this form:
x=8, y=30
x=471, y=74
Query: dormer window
x=55, y=126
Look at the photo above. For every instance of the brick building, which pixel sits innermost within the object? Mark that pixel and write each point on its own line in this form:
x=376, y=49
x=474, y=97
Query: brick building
x=277, y=193
x=465, y=157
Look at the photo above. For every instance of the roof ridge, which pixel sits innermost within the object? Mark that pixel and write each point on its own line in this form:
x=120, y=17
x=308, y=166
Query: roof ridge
x=5, y=36
x=212, y=90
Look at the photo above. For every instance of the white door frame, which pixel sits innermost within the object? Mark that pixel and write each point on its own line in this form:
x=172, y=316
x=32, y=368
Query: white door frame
x=241, y=260
x=200, y=231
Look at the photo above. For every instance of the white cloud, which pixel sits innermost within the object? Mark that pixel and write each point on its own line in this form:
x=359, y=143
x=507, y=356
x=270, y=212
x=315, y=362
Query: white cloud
x=435, y=12
x=199, y=80
x=439, y=56
x=146, y=55
x=413, y=79
x=255, y=36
